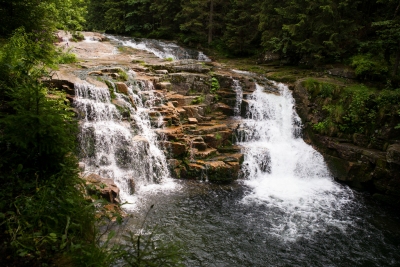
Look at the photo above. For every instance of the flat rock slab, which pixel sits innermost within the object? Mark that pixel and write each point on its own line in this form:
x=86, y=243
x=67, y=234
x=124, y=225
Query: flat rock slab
x=193, y=121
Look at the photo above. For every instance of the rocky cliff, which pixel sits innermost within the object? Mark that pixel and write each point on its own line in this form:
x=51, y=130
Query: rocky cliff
x=368, y=162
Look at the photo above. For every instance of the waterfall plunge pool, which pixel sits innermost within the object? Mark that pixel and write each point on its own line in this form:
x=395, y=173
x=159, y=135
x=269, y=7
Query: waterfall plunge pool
x=216, y=228
x=287, y=211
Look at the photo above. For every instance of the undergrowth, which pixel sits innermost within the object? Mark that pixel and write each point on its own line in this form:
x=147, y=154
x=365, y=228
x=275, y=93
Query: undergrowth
x=351, y=109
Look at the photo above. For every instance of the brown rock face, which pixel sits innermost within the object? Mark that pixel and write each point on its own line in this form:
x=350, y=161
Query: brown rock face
x=103, y=187
x=372, y=165
x=122, y=88
x=393, y=154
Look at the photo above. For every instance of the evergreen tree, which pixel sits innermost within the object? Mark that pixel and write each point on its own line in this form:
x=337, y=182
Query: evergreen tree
x=241, y=33
x=201, y=22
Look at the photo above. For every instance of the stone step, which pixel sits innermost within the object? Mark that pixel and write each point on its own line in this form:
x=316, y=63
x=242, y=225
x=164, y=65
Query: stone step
x=207, y=153
x=230, y=149
x=201, y=146
x=203, y=130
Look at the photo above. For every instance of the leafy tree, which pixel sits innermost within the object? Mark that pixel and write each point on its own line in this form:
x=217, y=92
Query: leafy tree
x=41, y=15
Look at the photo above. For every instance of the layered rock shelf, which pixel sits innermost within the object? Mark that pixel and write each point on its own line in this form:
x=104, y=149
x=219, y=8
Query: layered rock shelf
x=193, y=120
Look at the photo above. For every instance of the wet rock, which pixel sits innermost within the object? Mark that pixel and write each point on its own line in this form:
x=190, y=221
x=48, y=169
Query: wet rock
x=393, y=154
x=220, y=172
x=201, y=146
x=140, y=69
x=96, y=73
x=218, y=139
x=226, y=109
x=164, y=86
x=81, y=166
x=229, y=149
x=194, y=171
x=115, y=75
x=195, y=68
x=207, y=153
x=64, y=85
x=131, y=186
x=175, y=149
x=122, y=88
x=184, y=83
x=173, y=163
x=103, y=187
x=360, y=140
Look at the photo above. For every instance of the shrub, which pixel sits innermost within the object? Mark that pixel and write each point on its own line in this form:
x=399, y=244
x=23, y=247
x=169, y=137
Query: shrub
x=368, y=66
x=66, y=57
x=214, y=85
x=77, y=36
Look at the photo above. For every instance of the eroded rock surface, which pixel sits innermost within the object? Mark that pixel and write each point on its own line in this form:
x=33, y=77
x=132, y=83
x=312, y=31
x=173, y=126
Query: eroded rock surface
x=192, y=119
x=363, y=163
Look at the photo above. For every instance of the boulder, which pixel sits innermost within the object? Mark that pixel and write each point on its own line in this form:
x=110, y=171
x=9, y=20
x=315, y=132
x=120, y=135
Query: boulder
x=175, y=149
x=122, y=88
x=184, y=83
x=103, y=187
x=393, y=154
x=221, y=172
x=164, y=86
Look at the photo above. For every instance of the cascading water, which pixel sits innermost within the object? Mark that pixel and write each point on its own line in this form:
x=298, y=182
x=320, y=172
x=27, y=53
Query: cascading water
x=161, y=49
x=120, y=144
x=239, y=97
x=283, y=172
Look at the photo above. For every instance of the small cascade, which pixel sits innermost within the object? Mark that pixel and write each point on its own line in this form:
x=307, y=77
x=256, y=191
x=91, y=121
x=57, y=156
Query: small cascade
x=283, y=172
x=116, y=137
x=160, y=49
x=239, y=97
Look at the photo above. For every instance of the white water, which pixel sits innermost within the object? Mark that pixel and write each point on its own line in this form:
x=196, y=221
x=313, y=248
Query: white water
x=161, y=49
x=117, y=148
x=284, y=172
x=239, y=97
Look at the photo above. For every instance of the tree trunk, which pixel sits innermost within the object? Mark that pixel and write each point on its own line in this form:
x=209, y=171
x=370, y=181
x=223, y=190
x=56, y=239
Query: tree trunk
x=210, y=22
x=397, y=60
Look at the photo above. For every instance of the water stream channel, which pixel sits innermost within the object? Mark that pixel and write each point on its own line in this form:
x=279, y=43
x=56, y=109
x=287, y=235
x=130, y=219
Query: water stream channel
x=286, y=210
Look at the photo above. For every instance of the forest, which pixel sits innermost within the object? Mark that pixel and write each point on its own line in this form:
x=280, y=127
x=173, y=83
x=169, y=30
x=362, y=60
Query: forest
x=364, y=34
x=44, y=216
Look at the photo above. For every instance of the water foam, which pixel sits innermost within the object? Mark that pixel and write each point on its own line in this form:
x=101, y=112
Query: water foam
x=161, y=49
x=120, y=148
x=283, y=172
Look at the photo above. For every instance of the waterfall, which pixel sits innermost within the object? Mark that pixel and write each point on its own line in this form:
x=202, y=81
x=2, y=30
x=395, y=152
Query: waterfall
x=239, y=97
x=116, y=137
x=160, y=49
x=283, y=172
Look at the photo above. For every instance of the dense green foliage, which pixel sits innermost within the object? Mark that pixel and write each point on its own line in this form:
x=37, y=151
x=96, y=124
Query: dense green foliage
x=41, y=15
x=354, y=109
x=361, y=33
x=45, y=215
